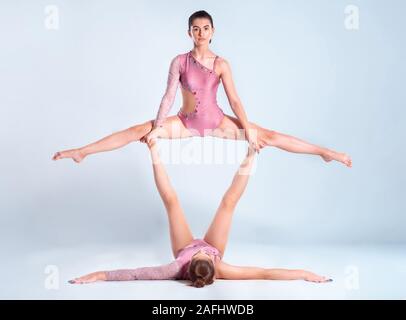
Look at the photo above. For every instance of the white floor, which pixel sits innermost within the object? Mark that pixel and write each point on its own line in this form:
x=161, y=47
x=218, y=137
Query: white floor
x=359, y=272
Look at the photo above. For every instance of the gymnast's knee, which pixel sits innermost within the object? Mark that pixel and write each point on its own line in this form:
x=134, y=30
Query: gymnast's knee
x=140, y=130
x=268, y=138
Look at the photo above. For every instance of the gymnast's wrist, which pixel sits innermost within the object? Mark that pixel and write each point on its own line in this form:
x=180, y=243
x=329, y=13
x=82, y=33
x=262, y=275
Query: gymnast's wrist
x=102, y=275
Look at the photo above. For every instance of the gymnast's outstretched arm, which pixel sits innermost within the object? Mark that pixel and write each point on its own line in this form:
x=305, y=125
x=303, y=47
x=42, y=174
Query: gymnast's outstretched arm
x=230, y=272
x=163, y=272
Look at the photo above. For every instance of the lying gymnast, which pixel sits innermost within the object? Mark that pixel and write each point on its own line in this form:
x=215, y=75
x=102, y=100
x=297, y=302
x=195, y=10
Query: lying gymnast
x=199, y=260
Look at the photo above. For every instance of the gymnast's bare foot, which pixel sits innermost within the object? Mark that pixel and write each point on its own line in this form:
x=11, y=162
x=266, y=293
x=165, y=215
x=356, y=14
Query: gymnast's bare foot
x=338, y=156
x=76, y=154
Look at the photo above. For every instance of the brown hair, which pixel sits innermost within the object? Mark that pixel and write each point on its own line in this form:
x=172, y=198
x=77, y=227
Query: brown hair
x=201, y=272
x=200, y=14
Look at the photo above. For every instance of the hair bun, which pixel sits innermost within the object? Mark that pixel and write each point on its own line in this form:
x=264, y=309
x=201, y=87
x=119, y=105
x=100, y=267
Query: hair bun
x=199, y=282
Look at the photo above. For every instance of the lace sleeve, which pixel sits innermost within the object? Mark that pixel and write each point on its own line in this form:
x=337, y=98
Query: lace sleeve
x=170, y=93
x=164, y=272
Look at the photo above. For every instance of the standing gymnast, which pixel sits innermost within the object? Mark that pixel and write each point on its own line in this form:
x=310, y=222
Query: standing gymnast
x=199, y=71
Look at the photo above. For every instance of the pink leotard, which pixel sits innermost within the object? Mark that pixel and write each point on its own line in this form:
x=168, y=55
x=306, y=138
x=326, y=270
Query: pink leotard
x=178, y=269
x=203, y=83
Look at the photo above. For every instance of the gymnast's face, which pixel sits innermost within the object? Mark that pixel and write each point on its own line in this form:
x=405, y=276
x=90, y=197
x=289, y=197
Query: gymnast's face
x=201, y=31
x=202, y=255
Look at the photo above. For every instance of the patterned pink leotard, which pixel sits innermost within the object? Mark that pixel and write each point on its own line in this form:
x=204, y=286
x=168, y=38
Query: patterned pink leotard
x=178, y=269
x=203, y=84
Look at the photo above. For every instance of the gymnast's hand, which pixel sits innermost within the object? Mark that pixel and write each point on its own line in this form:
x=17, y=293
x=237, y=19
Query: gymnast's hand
x=91, y=277
x=152, y=135
x=251, y=137
x=152, y=145
x=312, y=277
